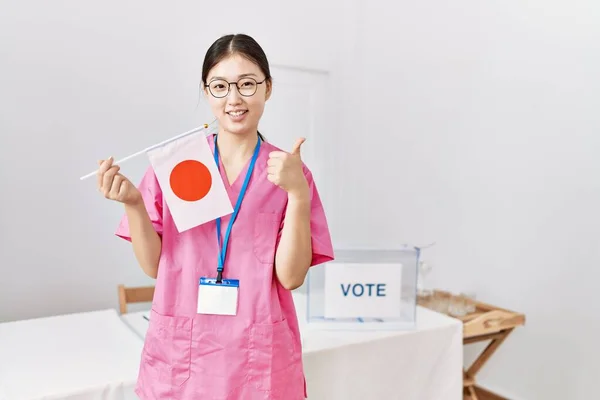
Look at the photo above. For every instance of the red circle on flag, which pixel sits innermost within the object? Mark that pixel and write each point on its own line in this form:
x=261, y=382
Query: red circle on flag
x=190, y=180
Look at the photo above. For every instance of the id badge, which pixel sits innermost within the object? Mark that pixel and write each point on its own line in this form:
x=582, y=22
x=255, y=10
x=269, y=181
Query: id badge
x=218, y=298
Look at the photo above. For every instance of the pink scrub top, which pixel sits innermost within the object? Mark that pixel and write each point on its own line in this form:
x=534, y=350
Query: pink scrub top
x=254, y=355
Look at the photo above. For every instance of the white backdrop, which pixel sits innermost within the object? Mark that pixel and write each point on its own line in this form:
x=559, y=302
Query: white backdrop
x=473, y=125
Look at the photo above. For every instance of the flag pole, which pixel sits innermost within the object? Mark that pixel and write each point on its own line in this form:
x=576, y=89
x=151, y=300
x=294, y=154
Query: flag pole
x=147, y=149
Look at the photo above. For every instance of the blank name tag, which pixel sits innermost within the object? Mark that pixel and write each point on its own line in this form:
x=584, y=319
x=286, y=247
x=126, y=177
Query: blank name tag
x=218, y=298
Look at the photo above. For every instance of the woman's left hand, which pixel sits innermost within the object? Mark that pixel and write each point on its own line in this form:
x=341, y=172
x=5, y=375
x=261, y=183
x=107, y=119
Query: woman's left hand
x=285, y=170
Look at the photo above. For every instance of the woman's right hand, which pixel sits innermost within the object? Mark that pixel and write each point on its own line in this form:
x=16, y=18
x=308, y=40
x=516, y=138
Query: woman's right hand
x=115, y=186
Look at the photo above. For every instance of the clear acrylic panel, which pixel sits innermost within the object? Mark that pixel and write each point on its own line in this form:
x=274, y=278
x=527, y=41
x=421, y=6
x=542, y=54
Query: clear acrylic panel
x=404, y=259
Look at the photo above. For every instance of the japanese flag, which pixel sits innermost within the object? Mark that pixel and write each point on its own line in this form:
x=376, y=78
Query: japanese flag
x=190, y=181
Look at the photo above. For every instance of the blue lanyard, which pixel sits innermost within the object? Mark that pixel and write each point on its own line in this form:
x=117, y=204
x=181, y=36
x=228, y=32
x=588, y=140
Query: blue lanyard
x=223, y=247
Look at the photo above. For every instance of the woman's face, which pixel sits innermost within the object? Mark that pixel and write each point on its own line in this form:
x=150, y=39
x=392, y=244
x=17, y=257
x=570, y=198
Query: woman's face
x=236, y=113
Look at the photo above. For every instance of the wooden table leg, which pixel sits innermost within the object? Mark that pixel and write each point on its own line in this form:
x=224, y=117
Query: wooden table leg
x=487, y=353
x=469, y=394
x=472, y=391
x=485, y=323
x=483, y=394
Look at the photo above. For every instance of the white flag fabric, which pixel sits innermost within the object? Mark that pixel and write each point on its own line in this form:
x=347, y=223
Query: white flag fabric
x=190, y=181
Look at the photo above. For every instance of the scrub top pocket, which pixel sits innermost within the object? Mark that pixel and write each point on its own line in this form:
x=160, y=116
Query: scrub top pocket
x=266, y=230
x=167, y=348
x=272, y=356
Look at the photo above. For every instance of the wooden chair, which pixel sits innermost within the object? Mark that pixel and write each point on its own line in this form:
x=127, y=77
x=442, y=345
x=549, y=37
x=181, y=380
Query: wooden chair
x=140, y=294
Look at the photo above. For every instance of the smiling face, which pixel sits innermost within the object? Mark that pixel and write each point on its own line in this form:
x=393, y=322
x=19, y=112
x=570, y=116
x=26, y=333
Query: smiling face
x=236, y=113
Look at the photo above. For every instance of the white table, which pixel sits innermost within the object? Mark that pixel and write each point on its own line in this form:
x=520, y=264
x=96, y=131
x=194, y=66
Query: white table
x=83, y=356
x=421, y=364
x=424, y=363
x=137, y=321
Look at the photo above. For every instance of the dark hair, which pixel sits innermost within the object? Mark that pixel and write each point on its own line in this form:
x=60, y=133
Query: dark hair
x=241, y=44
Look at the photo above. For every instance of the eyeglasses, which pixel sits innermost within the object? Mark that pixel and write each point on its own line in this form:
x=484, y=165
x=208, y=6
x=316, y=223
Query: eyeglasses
x=246, y=87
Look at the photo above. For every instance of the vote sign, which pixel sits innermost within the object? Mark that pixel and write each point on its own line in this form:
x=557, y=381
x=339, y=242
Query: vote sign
x=362, y=290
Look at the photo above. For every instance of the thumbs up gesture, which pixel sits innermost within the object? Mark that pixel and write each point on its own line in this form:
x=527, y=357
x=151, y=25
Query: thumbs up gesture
x=285, y=170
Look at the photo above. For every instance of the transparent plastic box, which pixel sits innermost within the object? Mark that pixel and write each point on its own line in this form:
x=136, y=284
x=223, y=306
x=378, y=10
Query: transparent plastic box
x=402, y=263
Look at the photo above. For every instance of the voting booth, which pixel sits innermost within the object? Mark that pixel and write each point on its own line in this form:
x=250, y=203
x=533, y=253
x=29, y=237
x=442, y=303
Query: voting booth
x=364, y=289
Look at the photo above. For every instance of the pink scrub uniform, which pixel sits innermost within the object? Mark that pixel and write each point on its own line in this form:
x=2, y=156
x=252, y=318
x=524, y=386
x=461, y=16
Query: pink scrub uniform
x=254, y=355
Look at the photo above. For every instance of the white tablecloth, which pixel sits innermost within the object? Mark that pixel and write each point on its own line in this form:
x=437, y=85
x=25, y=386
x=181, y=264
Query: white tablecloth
x=84, y=356
x=421, y=364
x=137, y=322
